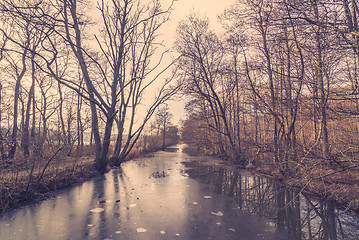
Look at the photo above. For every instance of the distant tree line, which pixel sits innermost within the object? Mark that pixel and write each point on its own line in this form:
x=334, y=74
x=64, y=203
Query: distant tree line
x=281, y=83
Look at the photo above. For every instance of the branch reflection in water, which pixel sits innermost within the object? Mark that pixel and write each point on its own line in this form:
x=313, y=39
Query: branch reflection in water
x=304, y=217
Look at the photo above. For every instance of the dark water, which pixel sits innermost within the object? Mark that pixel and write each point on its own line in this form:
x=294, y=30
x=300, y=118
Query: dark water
x=173, y=196
x=302, y=216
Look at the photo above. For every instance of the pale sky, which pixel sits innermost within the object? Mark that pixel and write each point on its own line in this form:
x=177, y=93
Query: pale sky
x=182, y=8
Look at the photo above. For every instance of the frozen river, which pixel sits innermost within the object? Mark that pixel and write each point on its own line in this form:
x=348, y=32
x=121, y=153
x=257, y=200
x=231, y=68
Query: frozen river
x=170, y=195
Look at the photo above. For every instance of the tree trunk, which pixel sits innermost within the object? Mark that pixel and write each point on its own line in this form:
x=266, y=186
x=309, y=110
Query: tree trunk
x=320, y=81
x=100, y=160
x=2, y=151
x=12, y=150
x=25, y=129
x=80, y=132
x=164, y=134
x=62, y=122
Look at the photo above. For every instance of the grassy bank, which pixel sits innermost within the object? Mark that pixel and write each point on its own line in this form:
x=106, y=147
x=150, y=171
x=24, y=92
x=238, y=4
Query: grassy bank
x=23, y=180
x=19, y=185
x=338, y=185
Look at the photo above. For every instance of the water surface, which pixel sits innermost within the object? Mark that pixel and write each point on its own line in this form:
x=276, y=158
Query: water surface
x=171, y=195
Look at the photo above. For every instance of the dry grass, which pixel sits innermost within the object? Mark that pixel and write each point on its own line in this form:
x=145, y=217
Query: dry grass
x=16, y=189
x=337, y=185
x=23, y=180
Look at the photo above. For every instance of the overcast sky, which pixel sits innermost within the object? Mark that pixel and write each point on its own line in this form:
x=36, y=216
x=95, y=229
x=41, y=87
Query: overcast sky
x=182, y=8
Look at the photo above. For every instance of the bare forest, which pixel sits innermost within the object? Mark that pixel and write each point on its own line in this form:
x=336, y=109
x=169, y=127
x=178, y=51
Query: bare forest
x=276, y=91
x=74, y=75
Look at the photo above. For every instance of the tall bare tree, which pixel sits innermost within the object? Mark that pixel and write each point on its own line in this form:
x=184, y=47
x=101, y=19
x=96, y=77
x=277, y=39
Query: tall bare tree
x=202, y=58
x=116, y=73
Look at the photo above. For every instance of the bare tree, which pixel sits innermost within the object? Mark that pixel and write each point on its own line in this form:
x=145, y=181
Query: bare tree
x=163, y=118
x=2, y=151
x=19, y=74
x=116, y=74
x=202, y=58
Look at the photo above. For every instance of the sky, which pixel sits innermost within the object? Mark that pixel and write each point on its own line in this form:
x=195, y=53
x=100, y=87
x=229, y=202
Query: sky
x=182, y=8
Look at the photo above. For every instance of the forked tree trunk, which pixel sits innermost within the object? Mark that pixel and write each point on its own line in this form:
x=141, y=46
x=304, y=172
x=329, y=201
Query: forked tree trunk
x=25, y=129
x=13, y=146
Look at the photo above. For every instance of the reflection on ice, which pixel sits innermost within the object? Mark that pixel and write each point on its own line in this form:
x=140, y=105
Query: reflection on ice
x=302, y=216
x=190, y=201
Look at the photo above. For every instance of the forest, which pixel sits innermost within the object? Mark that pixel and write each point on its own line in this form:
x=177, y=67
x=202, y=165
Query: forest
x=72, y=89
x=276, y=91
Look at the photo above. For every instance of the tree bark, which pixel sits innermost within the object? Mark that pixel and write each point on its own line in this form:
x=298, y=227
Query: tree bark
x=25, y=130
x=13, y=146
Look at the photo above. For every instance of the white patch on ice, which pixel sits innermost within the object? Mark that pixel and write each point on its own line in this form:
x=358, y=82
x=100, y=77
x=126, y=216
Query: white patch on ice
x=207, y=197
x=118, y=232
x=162, y=232
x=141, y=230
x=97, y=210
x=231, y=229
x=133, y=205
x=195, y=203
x=219, y=213
x=218, y=223
x=90, y=225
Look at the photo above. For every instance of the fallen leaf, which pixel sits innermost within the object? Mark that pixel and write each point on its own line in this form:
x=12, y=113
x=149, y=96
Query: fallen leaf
x=141, y=230
x=207, y=197
x=97, y=210
x=195, y=203
x=162, y=232
x=133, y=205
x=219, y=214
x=118, y=232
x=231, y=229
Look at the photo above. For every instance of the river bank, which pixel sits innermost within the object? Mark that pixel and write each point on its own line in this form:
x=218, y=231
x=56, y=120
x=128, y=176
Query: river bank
x=337, y=185
x=171, y=195
x=153, y=197
x=25, y=180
